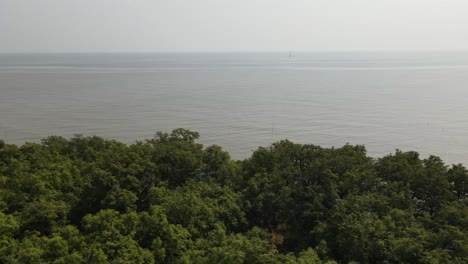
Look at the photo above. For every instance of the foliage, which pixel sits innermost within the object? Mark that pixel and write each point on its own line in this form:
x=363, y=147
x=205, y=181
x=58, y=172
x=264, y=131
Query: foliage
x=170, y=200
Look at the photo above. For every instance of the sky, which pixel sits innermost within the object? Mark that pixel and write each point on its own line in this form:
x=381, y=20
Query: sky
x=232, y=25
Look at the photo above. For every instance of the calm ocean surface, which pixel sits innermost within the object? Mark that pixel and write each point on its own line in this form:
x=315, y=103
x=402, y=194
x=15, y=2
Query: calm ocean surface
x=385, y=101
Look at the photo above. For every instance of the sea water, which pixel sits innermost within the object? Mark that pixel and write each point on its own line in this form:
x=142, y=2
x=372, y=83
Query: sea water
x=385, y=101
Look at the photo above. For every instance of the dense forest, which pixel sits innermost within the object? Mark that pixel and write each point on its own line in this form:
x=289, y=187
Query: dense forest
x=171, y=200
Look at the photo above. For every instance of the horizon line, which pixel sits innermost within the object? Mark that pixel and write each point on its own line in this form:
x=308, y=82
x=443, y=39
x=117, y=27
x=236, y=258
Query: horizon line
x=230, y=51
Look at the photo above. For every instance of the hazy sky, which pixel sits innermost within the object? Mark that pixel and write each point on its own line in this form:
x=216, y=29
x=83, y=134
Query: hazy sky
x=232, y=25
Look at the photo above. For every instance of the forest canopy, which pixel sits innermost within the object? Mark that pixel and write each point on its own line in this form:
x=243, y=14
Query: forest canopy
x=169, y=199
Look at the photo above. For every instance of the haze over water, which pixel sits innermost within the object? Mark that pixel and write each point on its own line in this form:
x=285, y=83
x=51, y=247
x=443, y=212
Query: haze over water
x=385, y=101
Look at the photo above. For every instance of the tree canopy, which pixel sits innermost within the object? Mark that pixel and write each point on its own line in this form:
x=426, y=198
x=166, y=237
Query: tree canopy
x=169, y=199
